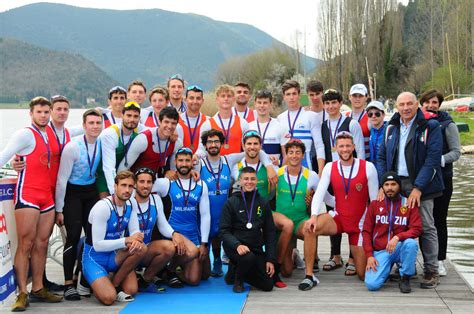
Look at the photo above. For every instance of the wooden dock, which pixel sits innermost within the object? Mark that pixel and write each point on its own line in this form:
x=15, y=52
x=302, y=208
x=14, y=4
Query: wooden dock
x=335, y=294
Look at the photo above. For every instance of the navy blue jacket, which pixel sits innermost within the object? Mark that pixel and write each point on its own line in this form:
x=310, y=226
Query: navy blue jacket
x=422, y=152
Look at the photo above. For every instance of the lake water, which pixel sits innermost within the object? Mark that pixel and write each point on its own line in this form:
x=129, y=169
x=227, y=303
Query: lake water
x=461, y=211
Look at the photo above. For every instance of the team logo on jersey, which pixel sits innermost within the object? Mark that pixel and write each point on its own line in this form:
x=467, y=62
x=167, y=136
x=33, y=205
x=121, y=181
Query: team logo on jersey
x=403, y=210
x=259, y=211
x=381, y=209
x=359, y=187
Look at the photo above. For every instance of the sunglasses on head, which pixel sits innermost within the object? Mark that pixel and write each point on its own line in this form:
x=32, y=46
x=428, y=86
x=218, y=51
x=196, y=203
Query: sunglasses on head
x=184, y=150
x=377, y=114
x=330, y=91
x=132, y=104
x=195, y=88
x=251, y=133
x=116, y=89
x=56, y=98
x=178, y=77
x=144, y=170
x=263, y=93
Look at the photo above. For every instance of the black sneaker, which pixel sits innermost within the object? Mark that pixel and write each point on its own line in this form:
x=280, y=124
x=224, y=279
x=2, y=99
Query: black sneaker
x=308, y=284
x=230, y=275
x=173, y=281
x=404, y=284
x=71, y=294
x=238, y=286
x=52, y=286
x=430, y=281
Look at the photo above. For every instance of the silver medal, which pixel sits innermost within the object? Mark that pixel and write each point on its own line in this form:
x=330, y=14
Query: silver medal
x=249, y=225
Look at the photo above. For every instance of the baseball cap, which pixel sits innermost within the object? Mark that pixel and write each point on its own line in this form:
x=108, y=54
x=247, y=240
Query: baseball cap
x=391, y=176
x=358, y=89
x=375, y=104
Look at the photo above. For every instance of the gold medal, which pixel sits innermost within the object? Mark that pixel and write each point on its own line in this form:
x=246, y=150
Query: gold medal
x=333, y=149
x=226, y=146
x=191, y=146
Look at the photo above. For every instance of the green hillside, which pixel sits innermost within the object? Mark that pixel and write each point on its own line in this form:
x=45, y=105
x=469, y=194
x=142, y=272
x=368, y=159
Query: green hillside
x=28, y=71
x=149, y=45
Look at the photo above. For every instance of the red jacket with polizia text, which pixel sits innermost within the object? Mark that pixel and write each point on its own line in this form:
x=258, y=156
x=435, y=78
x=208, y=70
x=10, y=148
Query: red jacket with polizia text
x=380, y=227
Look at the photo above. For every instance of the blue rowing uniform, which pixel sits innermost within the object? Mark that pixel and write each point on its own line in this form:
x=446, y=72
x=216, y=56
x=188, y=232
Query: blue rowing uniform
x=147, y=220
x=98, y=264
x=184, y=218
x=217, y=194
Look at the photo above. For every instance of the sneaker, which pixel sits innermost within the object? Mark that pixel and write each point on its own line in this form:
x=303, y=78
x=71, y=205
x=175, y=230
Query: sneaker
x=430, y=281
x=238, y=286
x=230, y=275
x=217, y=268
x=52, y=286
x=70, y=293
x=21, y=303
x=404, y=284
x=308, y=284
x=82, y=287
x=225, y=259
x=277, y=282
x=299, y=263
x=43, y=295
x=173, y=281
x=441, y=269
x=124, y=297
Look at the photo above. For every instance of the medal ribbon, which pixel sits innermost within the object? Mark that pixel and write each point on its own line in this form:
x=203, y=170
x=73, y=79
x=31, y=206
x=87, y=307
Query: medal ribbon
x=45, y=143
x=61, y=146
x=126, y=146
x=331, y=134
x=348, y=186
x=91, y=163
x=186, y=198
x=119, y=218
x=249, y=212
x=217, y=177
x=293, y=192
x=162, y=154
x=226, y=132
x=193, y=133
x=290, y=126
x=264, y=131
x=143, y=221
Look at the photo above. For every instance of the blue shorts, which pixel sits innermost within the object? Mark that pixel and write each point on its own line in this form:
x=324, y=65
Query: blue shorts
x=97, y=264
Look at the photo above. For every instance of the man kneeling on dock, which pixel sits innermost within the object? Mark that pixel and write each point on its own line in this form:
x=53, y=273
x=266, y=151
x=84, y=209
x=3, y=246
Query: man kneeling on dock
x=390, y=229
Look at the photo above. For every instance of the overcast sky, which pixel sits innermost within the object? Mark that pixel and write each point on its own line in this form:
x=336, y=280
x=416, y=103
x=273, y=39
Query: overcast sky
x=280, y=21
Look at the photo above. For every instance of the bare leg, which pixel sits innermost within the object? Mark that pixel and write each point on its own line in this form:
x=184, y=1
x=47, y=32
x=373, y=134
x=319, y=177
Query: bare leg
x=40, y=247
x=192, y=272
x=104, y=291
x=285, y=225
x=360, y=260
x=205, y=268
x=158, y=254
x=26, y=224
x=127, y=263
x=325, y=226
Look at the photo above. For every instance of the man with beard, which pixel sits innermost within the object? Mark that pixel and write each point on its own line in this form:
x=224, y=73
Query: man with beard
x=34, y=203
x=189, y=215
x=150, y=213
x=252, y=143
x=175, y=88
x=390, y=230
x=154, y=148
x=192, y=119
x=107, y=250
x=353, y=181
x=76, y=192
x=242, y=100
x=116, y=141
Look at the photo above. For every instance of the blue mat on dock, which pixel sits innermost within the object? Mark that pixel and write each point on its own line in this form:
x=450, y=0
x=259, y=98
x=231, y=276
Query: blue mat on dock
x=211, y=296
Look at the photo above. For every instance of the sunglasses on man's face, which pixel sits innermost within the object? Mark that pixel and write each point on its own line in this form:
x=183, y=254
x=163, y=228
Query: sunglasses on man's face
x=377, y=114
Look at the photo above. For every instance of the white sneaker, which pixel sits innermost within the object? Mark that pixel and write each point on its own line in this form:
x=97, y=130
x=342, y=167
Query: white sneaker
x=441, y=269
x=299, y=263
x=124, y=297
x=81, y=290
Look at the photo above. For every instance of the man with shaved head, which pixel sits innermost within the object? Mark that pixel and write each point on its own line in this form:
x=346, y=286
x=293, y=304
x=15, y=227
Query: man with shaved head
x=412, y=147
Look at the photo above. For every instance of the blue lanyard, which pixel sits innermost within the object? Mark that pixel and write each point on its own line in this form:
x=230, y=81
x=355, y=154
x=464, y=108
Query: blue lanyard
x=91, y=163
x=61, y=146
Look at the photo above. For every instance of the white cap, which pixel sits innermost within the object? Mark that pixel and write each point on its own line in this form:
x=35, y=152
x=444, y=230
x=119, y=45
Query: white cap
x=375, y=104
x=358, y=89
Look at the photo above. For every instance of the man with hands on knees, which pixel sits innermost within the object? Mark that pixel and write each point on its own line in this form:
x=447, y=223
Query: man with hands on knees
x=390, y=230
x=246, y=226
x=107, y=250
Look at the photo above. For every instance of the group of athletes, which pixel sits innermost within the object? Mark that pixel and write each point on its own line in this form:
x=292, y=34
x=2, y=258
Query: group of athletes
x=156, y=189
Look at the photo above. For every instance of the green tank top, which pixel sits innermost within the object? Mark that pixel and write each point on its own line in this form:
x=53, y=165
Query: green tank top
x=263, y=187
x=295, y=210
